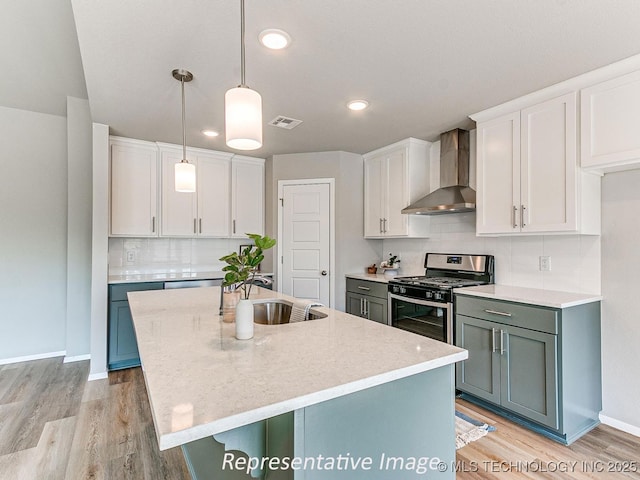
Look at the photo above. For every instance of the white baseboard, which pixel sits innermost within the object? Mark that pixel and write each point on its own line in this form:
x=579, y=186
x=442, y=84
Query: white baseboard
x=625, y=427
x=77, y=358
x=27, y=358
x=97, y=376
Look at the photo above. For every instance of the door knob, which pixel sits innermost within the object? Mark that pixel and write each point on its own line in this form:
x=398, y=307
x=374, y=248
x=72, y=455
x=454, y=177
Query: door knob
x=323, y=273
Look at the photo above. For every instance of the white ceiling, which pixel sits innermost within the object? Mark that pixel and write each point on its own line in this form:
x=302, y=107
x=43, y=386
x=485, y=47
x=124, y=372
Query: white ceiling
x=423, y=65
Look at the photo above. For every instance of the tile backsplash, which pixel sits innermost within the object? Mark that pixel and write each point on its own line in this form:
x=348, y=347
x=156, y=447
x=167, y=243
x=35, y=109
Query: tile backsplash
x=164, y=255
x=574, y=259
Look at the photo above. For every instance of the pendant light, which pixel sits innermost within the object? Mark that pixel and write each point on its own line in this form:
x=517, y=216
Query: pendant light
x=185, y=174
x=243, y=107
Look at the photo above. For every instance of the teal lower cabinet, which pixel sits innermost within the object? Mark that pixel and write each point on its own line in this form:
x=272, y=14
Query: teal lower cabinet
x=401, y=430
x=122, y=350
x=367, y=299
x=536, y=365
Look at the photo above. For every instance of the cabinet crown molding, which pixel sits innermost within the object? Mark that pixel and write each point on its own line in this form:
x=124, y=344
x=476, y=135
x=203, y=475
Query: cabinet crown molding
x=402, y=143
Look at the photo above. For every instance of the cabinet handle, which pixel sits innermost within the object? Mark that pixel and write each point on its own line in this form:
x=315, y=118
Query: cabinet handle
x=234, y=226
x=200, y=225
x=515, y=209
x=153, y=224
x=366, y=308
x=493, y=340
x=195, y=229
x=501, y=342
x=384, y=222
x=380, y=225
x=361, y=307
x=522, y=207
x=495, y=312
x=360, y=287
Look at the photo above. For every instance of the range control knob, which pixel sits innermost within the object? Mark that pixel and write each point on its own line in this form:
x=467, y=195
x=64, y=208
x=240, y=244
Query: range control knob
x=437, y=295
x=403, y=290
x=428, y=294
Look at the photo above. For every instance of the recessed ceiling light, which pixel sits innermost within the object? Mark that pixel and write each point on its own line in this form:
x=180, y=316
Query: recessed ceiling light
x=357, y=104
x=274, y=38
x=210, y=133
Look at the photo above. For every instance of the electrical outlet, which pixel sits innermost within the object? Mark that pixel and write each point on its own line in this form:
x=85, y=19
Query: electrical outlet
x=131, y=256
x=545, y=263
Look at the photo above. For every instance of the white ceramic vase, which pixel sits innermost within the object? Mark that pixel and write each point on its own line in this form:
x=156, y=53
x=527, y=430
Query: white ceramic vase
x=244, y=319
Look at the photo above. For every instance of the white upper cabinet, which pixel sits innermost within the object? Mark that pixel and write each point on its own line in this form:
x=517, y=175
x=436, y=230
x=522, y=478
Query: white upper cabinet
x=204, y=213
x=395, y=176
x=528, y=180
x=133, y=193
x=610, y=124
x=247, y=196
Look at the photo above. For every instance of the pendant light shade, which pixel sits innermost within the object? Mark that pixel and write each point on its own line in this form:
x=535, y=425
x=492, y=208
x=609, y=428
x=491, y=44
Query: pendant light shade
x=185, y=172
x=185, y=177
x=243, y=118
x=243, y=107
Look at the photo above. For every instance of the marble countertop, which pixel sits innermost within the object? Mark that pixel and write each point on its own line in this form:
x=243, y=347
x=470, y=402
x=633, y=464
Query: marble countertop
x=373, y=277
x=202, y=381
x=167, y=276
x=532, y=296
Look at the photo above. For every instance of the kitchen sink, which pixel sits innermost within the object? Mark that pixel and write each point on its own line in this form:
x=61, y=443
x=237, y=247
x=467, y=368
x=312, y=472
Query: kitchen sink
x=276, y=312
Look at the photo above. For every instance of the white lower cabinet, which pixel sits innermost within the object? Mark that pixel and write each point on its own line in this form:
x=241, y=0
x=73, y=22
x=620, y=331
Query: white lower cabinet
x=528, y=181
x=204, y=213
x=133, y=200
x=247, y=196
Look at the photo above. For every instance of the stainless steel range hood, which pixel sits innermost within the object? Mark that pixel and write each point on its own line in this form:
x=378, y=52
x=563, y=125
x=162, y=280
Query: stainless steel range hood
x=454, y=194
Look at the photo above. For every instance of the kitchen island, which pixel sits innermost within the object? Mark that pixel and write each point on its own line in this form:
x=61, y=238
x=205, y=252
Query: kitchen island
x=331, y=398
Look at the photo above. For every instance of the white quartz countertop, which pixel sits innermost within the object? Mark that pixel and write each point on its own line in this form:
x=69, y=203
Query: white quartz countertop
x=532, y=296
x=202, y=381
x=167, y=276
x=373, y=277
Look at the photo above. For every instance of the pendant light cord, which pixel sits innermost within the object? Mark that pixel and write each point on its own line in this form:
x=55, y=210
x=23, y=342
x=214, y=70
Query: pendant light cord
x=184, y=131
x=242, y=64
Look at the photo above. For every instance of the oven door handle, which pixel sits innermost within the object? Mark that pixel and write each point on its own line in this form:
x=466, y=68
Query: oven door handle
x=419, y=302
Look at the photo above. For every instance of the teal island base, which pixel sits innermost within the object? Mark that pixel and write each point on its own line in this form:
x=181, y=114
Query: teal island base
x=403, y=429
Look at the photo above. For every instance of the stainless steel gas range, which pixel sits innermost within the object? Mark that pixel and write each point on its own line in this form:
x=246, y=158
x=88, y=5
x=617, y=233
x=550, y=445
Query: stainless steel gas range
x=424, y=304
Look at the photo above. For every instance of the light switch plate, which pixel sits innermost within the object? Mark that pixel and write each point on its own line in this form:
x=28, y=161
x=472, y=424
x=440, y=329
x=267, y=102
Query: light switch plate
x=131, y=256
x=545, y=263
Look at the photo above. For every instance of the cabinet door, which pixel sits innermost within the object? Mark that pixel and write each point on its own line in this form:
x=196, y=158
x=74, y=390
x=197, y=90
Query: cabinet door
x=498, y=175
x=179, y=209
x=355, y=304
x=479, y=374
x=376, y=309
x=397, y=194
x=529, y=374
x=134, y=190
x=123, y=348
x=247, y=204
x=548, y=166
x=213, y=177
x=374, y=195
x=610, y=115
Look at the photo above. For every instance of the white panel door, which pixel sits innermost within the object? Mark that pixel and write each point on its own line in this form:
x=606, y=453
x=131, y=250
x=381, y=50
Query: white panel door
x=397, y=196
x=374, y=190
x=134, y=190
x=213, y=196
x=247, y=204
x=179, y=209
x=498, y=175
x=306, y=242
x=548, y=166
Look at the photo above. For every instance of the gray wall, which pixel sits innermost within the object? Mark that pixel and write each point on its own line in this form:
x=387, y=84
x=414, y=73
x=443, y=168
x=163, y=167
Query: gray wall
x=33, y=233
x=79, y=227
x=353, y=252
x=620, y=317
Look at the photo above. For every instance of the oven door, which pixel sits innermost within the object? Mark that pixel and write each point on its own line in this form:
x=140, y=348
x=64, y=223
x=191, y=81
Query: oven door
x=430, y=319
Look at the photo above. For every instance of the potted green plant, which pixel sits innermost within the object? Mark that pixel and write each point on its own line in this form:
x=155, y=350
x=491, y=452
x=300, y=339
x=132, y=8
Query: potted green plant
x=390, y=267
x=240, y=271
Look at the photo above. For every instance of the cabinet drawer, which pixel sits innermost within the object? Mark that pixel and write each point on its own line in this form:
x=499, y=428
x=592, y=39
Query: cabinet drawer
x=524, y=316
x=365, y=287
x=119, y=292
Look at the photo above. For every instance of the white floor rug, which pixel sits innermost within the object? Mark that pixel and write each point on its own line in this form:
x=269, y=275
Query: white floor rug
x=468, y=429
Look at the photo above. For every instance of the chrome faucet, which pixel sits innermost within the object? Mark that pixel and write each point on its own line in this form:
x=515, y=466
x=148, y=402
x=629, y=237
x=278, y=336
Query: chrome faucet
x=259, y=280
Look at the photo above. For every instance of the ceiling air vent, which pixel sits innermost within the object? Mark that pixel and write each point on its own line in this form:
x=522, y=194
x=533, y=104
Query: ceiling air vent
x=285, y=122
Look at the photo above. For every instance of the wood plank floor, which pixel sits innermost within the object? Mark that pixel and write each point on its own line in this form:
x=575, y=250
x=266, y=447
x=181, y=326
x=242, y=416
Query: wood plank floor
x=56, y=425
